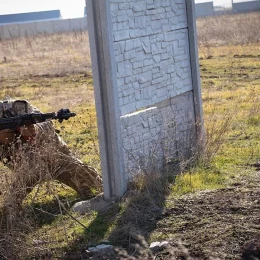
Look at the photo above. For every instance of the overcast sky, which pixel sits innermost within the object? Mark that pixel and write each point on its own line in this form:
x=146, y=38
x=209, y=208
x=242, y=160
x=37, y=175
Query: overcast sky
x=68, y=8
x=225, y=3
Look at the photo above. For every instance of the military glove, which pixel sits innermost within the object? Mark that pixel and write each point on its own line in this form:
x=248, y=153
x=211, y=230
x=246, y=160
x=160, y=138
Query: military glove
x=7, y=136
x=28, y=132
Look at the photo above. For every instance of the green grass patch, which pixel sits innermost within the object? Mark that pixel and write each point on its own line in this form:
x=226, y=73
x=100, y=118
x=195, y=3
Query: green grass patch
x=198, y=179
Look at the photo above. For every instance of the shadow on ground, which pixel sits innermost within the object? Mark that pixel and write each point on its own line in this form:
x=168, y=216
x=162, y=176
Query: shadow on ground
x=126, y=225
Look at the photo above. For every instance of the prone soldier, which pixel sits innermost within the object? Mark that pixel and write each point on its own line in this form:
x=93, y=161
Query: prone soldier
x=33, y=140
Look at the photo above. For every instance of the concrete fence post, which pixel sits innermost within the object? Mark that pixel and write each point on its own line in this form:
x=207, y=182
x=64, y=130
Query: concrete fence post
x=106, y=97
x=52, y=25
x=69, y=24
x=1, y=32
x=147, y=86
x=19, y=30
x=195, y=72
x=35, y=28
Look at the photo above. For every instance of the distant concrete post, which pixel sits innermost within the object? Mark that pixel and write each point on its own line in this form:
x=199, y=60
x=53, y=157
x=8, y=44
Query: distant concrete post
x=106, y=97
x=70, y=24
x=1, y=32
x=19, y=30
x=35, y=28
x=52, y=26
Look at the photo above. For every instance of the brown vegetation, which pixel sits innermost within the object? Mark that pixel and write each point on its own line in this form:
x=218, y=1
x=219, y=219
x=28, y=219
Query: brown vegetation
x=45, y=55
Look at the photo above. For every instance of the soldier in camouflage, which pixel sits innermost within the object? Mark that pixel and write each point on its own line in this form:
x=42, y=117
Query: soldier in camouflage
x=60, y=161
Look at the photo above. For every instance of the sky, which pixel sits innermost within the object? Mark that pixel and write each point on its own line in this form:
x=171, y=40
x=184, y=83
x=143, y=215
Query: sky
x=68, y=8
x=225, y=3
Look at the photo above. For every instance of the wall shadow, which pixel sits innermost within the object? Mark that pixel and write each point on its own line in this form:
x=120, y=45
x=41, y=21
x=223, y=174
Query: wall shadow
x=129, y=223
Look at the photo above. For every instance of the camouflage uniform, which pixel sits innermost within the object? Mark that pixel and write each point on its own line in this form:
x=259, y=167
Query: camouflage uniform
x=60, y=162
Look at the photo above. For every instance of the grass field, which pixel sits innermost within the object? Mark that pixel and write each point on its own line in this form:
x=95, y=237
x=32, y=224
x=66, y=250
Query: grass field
x=55, y=71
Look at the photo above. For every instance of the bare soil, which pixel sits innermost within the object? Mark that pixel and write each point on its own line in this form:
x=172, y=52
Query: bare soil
x=217, y=224
x=214, y=224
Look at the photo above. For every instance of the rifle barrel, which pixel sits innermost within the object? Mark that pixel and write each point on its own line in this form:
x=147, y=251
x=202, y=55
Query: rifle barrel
x=34, y=118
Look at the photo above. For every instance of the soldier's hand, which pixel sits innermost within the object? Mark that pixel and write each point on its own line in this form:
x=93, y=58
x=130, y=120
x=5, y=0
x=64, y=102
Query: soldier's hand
x=7, y=136
x=29, y=131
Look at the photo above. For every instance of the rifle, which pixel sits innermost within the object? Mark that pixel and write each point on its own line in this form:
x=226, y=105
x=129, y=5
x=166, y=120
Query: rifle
x=34, y=118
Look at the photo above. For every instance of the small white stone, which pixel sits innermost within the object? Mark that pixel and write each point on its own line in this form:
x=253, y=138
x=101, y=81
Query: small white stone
x=154, y=244
x=82, y=207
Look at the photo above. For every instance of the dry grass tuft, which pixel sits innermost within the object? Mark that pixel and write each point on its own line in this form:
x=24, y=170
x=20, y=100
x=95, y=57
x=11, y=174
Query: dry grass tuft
x=34, y=169
x=217, y=131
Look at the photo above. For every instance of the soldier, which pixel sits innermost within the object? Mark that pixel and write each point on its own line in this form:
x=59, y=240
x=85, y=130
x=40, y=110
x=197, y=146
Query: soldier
x=38, y=152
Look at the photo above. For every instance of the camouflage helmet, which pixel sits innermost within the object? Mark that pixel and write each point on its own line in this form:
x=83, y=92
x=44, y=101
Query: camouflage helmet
x=13, y=107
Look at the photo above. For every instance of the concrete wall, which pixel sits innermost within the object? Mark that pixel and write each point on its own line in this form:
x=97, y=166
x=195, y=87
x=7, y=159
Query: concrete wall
x=151, y=51
x=147, y=85
x=243, y=7
x=152, y=68
x=8, y=31
x=30, y=17
x=61, y=25
x=78, y=24
x=204, y=9
x=27, y=29
x=44, y=27
x=161, y=133
x=151, y=48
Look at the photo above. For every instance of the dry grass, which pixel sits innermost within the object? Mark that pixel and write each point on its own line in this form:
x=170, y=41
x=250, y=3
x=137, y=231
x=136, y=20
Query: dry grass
x=57, y=54
x=34, y=169
x=229, y=29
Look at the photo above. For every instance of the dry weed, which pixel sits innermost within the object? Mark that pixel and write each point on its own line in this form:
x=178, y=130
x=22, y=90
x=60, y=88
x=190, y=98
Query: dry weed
x=217, y=130
x=34, y=169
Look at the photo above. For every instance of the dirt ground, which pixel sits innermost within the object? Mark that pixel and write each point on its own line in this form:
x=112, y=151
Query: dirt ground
x=217, y=224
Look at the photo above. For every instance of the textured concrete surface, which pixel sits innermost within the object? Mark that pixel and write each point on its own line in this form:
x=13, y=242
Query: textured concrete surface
x=158, y=134
x=151, y=49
